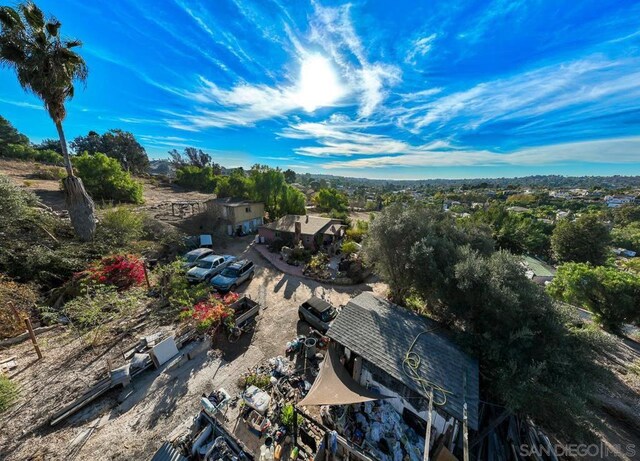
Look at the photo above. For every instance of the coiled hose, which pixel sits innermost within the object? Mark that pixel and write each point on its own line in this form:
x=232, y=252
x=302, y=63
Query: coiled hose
x=411, y=367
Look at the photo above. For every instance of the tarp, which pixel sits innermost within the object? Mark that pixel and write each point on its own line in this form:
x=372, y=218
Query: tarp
x=335, y=386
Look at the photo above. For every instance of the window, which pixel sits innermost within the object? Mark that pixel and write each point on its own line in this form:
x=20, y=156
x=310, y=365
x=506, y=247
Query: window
x=247, y=209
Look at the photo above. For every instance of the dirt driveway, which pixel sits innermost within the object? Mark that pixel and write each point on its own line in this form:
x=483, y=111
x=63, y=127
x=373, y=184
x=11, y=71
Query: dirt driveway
x=134, y=426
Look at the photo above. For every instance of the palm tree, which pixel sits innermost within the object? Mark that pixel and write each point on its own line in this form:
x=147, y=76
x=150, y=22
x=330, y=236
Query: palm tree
x=47, y=66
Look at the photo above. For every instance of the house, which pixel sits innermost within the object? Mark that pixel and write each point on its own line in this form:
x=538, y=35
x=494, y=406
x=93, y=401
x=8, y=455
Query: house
x=313, y=231
x=615, y=201
x=239, y=216
x=624, y=252
x=371, y=339
x=537, y=270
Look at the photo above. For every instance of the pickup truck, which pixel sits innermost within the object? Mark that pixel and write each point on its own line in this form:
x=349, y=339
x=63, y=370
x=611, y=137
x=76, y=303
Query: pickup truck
x=208, y=267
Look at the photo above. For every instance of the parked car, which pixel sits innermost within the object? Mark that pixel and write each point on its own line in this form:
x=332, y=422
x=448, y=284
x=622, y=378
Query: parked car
x=196, y=255
x=318, y=313
x=208, y=267
x=233, y=275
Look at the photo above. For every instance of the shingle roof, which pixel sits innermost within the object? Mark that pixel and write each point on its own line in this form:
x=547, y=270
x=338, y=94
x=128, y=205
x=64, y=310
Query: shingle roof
x=382, y=333
x=310, y=225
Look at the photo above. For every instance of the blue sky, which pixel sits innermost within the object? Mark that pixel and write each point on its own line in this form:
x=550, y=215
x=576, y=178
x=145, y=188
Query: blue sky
x=398, y=89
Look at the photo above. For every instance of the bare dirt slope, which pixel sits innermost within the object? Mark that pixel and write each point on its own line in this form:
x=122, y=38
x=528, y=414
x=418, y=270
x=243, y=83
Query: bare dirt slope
x=48, y=190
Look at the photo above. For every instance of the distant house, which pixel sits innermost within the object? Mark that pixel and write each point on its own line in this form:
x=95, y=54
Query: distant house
x=238, y=216
x=537, y=270
x=624, y=252
x=615, y=201
x=313, y=231
x=518, y=209
x=374, y=335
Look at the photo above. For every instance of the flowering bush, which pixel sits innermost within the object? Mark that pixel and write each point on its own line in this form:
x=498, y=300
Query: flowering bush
x=120, y=271
x=212, y=312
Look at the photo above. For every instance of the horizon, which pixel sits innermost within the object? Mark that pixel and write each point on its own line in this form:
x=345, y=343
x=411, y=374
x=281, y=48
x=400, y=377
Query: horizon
x=359, y=90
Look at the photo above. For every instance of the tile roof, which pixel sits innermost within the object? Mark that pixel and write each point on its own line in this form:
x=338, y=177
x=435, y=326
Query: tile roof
x=382, y=333
x=310, y=225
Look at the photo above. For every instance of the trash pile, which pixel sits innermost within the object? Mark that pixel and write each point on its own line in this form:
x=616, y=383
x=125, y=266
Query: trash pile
x=377, y=429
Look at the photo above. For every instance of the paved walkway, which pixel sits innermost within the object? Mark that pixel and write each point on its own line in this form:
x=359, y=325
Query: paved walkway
x=274, y=259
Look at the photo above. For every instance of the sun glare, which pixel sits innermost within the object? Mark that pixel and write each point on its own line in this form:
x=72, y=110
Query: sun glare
x=318, y=85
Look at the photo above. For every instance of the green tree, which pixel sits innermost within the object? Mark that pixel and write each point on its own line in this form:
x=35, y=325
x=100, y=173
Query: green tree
x=613, y=296
x=9, y=135
x=290, y=176
x=203, y=179
x=47, y=66
x=626, y=214
x=415, y=248
x=117, y=144
x=234, y=185
x=106, y=180
x=584, y=240
x=193, y=157
x=627, y=236
x=49, y=144
x=495, y=312
x=291, y=201
x=330, y=200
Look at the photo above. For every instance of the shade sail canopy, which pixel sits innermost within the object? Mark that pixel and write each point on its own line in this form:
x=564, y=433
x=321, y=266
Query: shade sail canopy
x=335, y=386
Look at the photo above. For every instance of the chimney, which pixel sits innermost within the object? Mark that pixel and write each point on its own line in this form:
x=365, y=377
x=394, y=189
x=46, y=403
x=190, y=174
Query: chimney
x=298, y=232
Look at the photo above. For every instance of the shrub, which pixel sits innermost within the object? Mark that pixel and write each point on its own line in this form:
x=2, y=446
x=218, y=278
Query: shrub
x=54, y=173
x=48, y=156
x=350, y=247
x=105, y=179
x=211, y=312
x=119, y=271
x=176, y=290
x=254, y=379
x=358, y=230
x=99, y=305
x=22, y=297
x=202, y=179
x=286, y=416
x=612, y=295
x=8, y=392
x=120, y=226
x=25, y=152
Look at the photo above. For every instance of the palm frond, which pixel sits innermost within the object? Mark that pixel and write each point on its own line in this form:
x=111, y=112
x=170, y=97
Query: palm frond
x=72, y=43
x=33, y=15
x=53, y=27
x=45, y=65
x=10, y=19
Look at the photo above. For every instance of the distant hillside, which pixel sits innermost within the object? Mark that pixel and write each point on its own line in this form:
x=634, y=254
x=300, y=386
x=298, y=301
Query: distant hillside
x=162, y=167
x=552, y=181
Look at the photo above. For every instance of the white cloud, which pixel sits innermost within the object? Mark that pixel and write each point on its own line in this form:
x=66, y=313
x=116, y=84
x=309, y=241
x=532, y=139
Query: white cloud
x=332, y=29
x=591, y=85
x=420, y=47
x=341, y=136
x=25, y=104
x=616, y=150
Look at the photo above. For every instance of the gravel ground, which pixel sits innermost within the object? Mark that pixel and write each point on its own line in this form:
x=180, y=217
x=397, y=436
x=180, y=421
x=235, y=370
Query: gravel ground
x=161, y=399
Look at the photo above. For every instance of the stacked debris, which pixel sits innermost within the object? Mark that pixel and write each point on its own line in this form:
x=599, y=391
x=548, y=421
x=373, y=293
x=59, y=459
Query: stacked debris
x=377, y=429
x=507, y=437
